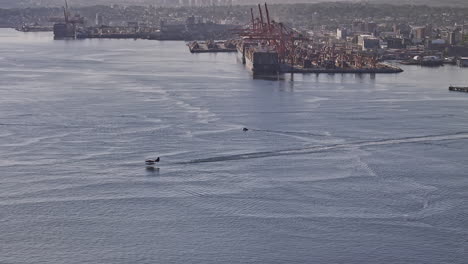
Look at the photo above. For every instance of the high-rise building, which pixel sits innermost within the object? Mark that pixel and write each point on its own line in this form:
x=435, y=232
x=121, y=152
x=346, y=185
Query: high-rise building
x=455, y=36
x=370, y=27
x=420, y=32
x=358, y=26
x=98, y=20
x=341, y=33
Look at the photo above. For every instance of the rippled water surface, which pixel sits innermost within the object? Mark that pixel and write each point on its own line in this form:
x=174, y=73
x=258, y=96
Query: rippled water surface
x=334, y=169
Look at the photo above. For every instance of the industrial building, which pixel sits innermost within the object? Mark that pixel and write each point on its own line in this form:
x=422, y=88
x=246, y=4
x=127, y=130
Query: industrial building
x=368, y=42
x=462, y=62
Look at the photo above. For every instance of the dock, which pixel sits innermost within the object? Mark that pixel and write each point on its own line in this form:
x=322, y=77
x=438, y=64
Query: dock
x=379, y=69
x=212, y=47
x=458, y=89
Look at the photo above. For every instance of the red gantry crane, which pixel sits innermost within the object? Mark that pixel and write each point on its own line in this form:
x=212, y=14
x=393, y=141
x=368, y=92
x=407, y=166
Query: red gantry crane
x=295, y=49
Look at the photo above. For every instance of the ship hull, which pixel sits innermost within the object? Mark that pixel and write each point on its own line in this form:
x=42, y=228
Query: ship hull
x=261, y=62
x=261, y=69
x=64, y=30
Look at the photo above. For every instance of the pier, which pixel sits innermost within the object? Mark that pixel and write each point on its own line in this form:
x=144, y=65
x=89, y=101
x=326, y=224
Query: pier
x=380, y=68
x=212, y=46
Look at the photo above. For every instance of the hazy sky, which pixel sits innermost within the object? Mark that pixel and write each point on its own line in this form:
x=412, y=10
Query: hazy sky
x=14, y=3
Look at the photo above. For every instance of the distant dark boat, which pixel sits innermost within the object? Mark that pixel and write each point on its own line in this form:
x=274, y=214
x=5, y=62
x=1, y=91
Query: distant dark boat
x=458, y=89
x=34, y=28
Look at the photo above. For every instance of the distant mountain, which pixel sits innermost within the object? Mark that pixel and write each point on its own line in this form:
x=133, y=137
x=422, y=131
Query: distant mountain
x=56, y=3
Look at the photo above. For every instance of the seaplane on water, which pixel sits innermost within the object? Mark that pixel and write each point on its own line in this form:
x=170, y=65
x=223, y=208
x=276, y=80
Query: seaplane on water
x=151, y=161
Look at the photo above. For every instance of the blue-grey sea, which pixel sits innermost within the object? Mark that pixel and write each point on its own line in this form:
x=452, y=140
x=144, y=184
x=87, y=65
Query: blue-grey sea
x=336, y=168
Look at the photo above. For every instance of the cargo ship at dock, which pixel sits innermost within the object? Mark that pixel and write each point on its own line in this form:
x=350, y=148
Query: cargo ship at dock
x=261, y=60
x=67, y=28
x=64, y=31
x=265, y=61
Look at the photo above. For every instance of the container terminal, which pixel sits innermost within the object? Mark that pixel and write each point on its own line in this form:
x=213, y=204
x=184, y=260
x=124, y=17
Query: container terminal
x=268, y=48
x=440, y=32
x=265, y=46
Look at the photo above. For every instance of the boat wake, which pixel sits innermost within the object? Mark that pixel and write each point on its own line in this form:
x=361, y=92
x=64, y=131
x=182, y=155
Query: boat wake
x=289, y=133
x=325, y=148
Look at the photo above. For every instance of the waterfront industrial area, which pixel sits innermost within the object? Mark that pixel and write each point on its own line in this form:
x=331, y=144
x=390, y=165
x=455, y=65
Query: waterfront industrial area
x=208, y=132
x=268, y=46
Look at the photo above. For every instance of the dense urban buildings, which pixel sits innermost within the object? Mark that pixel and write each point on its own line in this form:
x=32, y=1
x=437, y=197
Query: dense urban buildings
x=405, y=32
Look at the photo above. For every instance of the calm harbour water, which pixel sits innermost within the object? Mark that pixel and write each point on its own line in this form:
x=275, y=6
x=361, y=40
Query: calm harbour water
x=335, y=168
